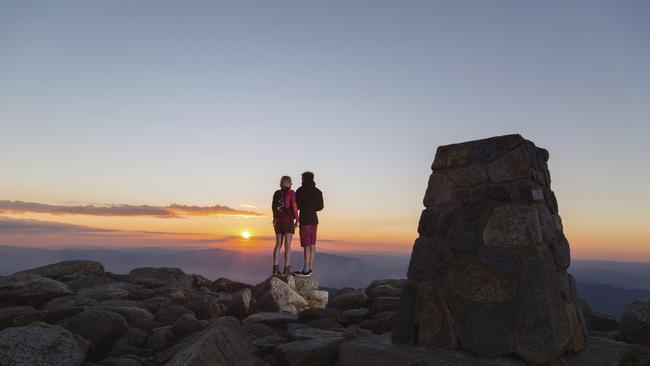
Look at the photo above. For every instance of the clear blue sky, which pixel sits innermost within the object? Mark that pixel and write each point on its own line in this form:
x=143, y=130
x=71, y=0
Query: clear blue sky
x=204, y=102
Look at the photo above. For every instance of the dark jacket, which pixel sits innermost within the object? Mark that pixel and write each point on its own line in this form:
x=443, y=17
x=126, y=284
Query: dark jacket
x=309, y=200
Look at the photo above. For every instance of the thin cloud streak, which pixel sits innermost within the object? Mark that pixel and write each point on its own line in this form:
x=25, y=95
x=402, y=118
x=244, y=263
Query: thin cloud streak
x=10, y=226
x=174, y=210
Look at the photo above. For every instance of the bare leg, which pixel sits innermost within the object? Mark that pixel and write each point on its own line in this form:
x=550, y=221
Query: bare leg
x=278, y=246
x=287, y=249
x=305, y=252
x=312, y=254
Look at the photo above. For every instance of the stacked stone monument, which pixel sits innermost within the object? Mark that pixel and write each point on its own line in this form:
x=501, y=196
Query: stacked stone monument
x=488, y=273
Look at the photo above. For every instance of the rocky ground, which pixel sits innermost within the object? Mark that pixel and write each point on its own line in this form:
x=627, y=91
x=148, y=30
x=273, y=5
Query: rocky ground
x=76, y=313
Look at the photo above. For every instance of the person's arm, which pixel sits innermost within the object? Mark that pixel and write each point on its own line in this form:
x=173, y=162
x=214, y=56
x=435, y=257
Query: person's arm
x=295, y=209
x=320, y=201
x=298, y=197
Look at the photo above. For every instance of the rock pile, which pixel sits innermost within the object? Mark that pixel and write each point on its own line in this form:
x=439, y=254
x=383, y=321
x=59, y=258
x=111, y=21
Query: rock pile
x=74, y=312
x=488, y=271
x=217, y=323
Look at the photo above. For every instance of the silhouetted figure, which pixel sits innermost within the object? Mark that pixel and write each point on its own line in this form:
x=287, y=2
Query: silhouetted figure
x=310, y=200
x=285, y=211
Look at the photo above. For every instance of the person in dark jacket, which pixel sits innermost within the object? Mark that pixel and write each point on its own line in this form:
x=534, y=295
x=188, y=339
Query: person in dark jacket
x=309, y=200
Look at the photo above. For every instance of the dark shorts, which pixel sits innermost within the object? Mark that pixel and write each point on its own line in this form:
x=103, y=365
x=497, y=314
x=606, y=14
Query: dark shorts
x=283, y=227
x=308, y=235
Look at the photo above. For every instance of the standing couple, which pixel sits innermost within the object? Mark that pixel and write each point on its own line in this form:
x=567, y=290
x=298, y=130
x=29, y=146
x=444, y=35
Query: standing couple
x=286, y=204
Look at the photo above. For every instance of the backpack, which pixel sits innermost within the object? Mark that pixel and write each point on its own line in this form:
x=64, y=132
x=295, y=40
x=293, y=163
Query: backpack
x=278, y=206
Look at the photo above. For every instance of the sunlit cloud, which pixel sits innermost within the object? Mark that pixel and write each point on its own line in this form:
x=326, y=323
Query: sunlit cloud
x=173, y=210
x=10, y=226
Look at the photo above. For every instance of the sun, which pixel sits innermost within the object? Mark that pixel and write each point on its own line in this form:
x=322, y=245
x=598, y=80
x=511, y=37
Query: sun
x=245, y=234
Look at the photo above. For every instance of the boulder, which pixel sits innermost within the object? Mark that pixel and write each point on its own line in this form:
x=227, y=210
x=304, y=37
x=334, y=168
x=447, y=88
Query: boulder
x=268, y=344
x=305, y=285
x=312, y=352
x=258, y=330
x=225, y=285
x=377, y=326
x=187, y=324
x=66, y=302
x=161, y=338
x=98, y=326
x=121, y=304
x=153, y=277
x=304, y=333
x=77, y=267
x=232, y=347
x=396, y=283
x=202, y=307
x=30, y=289
x=239, y=306
x=108, y=291
x=171, y=313
x=270, y=318
x=349, y=298
x=279, y=297
x=384, y=303
x=635, y=322
x=16, y=316
x=317, y=313
x=132, y=342
x=488, y=272
x=383, y=291
x=42, y=345
x=136, y=316
x=355, y=315
x=317, y=299
x=77, y=281
x=326, y=323
x=175, y=294
x=153, y=304
x=200, y=281
x=141, y=293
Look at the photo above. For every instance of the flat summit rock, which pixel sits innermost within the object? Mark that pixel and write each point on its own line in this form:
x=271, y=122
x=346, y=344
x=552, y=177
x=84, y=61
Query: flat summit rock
x=42, y=344
x=488, y=273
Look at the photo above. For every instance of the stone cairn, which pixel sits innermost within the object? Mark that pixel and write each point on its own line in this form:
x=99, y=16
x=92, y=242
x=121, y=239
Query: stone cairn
x=488, y=272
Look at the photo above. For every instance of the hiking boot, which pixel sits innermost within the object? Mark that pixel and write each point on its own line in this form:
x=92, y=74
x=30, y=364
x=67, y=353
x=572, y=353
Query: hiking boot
x=276, y=270
x=299, y=273
x=287, y=270
x=308, y=273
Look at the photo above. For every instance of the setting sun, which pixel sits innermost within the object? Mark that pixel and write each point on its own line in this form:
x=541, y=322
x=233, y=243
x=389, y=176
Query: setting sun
x=245, y=234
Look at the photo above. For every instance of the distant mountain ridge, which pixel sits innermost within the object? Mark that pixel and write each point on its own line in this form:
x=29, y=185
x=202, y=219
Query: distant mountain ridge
x=334, y=270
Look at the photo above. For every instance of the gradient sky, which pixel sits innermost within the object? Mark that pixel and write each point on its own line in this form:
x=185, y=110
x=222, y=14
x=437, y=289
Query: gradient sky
x=209, y=103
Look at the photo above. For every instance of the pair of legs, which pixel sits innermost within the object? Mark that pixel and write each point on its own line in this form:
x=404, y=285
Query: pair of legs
x=309, y=252
x=282, y=239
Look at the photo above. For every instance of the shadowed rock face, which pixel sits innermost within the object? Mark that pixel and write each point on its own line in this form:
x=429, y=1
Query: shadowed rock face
x=488, y=271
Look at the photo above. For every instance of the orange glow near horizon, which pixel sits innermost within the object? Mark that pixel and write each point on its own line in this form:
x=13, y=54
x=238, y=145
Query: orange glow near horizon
x=589, y=240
